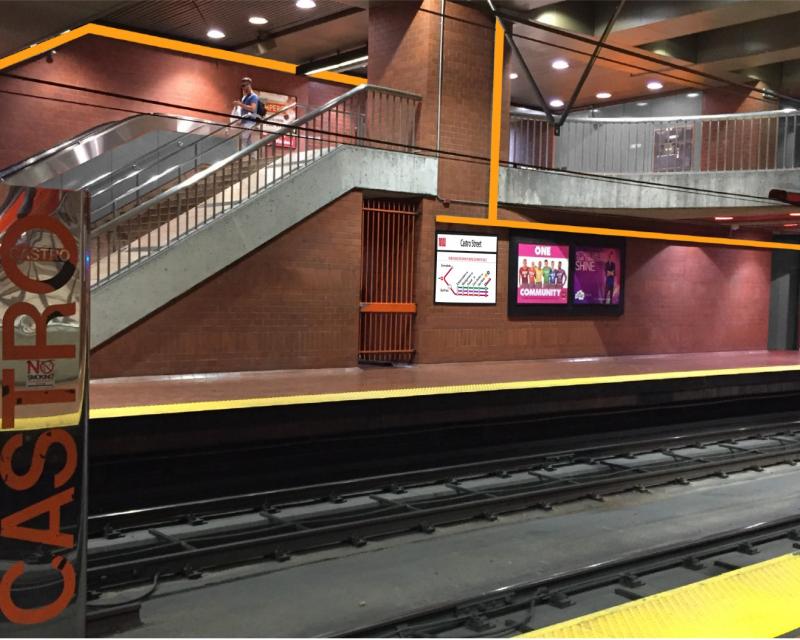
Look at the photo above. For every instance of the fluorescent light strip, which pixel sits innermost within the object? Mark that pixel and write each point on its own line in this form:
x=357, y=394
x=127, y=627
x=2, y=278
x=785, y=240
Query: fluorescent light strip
x=337, y=66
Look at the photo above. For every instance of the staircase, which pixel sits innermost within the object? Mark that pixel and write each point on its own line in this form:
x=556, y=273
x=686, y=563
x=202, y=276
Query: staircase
x=245, y=188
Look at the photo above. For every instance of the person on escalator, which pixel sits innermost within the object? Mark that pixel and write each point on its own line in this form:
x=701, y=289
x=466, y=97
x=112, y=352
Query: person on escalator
x=247, y=106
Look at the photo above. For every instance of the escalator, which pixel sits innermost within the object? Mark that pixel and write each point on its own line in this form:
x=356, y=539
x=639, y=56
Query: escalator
x=157, y=180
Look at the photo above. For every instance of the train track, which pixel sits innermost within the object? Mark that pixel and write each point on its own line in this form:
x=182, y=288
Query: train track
x=523, y=607
x=182, y=540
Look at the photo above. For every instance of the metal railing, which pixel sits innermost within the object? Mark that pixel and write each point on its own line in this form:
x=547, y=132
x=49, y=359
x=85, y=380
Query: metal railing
x=365, y=115
x=759, y=141
x=199, y=146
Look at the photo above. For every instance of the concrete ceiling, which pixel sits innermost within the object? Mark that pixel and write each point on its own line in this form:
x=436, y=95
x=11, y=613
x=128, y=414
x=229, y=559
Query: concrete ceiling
x=756, y=42
x=742, y=41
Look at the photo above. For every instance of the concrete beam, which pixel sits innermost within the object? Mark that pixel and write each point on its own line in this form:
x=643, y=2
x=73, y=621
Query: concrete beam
x=551, y=189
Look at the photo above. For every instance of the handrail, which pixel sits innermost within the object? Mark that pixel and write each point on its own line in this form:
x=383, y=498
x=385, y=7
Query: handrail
x=139, y=187
x=87, y=136
x=48, y=153
x=723, y=116
x=201, y=175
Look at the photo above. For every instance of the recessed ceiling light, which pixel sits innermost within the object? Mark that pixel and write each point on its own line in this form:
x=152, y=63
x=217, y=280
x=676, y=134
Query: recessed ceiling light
x=603, y=95
x=305, y=4
x=556, y=103
x=791, y=224
x=654, y=85
x=513, y=75
x=560, y=64
x=641, y=104
x=723, y=218
x=257, y=20
x=693, y=94
x=215, y=34
x=795, y=215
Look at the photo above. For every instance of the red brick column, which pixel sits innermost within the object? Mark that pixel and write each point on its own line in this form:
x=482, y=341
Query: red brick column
x=404, y=54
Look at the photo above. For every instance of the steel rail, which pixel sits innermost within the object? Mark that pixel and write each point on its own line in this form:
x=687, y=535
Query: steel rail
x=557, y=589
x=174, y=513
x=221, y=164
x=158, y=160
x=184, y=555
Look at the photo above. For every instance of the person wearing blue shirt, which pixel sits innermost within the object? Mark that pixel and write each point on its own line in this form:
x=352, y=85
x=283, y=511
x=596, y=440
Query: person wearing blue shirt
x=248, y=108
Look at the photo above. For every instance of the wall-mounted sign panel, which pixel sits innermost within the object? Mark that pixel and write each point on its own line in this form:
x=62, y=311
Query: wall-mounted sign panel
x=561, y=275
x=598, y=275
x=43, y=422
x=542, y=273
x=466, y=269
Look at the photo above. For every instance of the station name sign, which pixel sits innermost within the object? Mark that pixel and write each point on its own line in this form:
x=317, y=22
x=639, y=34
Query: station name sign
x=43, y=412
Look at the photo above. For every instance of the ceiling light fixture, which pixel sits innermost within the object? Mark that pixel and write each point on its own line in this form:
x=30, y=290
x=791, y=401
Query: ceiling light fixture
x=603, y=95
x=654, y=85
x=338, y=65
x=556, y=103
x=257, y=20
x=560, y=65
x=693, y=94
x=791, y=224
x=513, y=76
x=641, y=104
x=215, y=34
x=305, y=4
x=723, y=218
x=795, y=215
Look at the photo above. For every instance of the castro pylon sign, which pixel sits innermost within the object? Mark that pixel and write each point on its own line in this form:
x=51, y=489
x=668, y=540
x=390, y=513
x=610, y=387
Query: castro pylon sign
x=43, y=422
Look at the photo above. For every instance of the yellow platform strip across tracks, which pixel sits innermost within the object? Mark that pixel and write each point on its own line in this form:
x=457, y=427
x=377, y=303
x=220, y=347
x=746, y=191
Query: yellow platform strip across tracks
x=759, y=601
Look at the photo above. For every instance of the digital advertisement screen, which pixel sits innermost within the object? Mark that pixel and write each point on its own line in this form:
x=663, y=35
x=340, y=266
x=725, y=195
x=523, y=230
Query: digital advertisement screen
x=597, y=276
x=542, y=273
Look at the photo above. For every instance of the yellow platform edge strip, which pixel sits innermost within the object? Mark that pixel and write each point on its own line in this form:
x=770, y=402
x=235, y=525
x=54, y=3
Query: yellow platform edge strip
x=759, y=601
x=251, y=403
x=170, y=44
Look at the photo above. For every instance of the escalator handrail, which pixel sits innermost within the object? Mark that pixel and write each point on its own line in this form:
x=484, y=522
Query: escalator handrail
x=81, y=138
x=158, y=160
x=201, y=175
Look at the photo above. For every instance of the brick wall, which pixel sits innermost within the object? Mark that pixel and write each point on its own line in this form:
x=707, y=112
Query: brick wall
x=292, y=303
x=404, y=54
x=678, y=299
x=31, y=124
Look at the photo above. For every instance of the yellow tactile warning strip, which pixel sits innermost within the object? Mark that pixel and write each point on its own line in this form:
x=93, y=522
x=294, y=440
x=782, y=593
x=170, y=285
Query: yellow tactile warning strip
x=759, y=601
x=250, y=403
x=92, y=29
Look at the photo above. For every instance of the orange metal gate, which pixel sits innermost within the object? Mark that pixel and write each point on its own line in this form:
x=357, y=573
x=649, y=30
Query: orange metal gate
x=386, y=324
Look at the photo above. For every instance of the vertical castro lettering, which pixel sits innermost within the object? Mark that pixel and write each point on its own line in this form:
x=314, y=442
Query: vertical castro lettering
x=48, y=510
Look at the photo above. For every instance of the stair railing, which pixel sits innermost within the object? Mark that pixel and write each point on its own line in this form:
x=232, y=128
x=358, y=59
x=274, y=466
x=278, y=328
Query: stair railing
x=365, y=116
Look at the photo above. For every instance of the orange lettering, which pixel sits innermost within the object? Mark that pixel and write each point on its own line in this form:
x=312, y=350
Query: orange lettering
x=9, y=261
x=43, y=443
x=11, y=526
x=40, y=348
x=18, y=615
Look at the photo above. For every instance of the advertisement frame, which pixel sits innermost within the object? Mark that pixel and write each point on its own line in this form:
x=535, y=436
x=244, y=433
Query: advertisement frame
x=593, y=308
x=570, y=309
x=436, y=233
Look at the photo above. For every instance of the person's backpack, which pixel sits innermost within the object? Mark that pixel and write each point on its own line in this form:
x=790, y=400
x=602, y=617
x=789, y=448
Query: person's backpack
x=261, y=109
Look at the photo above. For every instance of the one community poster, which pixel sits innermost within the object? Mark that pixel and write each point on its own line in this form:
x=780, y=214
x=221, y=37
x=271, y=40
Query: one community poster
x=542, y=273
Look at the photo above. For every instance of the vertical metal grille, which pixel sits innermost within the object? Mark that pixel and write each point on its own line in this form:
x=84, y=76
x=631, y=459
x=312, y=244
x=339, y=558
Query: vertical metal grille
x=386, y=326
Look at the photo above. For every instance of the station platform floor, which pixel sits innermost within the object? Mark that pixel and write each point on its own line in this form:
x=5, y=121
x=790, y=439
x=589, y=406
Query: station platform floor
x=149, y=395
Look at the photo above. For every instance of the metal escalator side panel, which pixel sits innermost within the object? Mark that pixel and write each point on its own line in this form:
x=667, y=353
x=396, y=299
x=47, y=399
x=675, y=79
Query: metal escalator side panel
x=54, y=162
